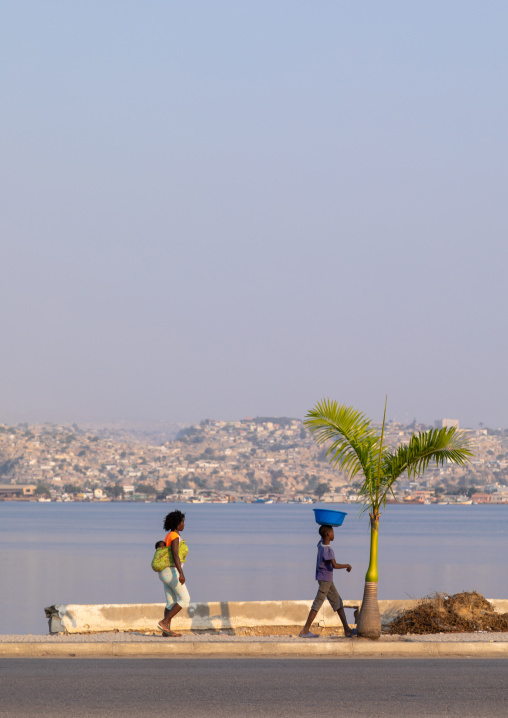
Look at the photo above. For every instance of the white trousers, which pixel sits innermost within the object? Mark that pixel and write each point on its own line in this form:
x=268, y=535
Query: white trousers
x=175, y=591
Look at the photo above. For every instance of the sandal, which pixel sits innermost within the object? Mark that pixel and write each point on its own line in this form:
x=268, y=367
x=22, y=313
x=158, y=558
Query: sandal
x=167, y=632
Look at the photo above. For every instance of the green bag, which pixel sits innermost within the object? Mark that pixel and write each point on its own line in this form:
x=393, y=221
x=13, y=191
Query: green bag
x=160, y=559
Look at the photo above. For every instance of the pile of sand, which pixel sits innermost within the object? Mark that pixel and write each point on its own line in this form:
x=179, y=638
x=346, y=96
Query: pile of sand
x=464, y=612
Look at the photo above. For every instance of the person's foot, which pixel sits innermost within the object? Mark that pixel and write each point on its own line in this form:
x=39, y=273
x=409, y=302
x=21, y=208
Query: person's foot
x=351, y=633
x=163, y=627
x=167, y=632
x=308, y=635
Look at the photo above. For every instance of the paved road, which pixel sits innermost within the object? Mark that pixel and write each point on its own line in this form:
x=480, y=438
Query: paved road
x=217, y=688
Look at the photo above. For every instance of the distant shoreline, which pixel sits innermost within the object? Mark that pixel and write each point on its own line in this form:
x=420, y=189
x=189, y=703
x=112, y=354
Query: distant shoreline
x=258, y=503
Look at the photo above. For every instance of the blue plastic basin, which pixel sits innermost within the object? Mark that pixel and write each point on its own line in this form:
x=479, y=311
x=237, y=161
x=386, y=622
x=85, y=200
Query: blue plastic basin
x=328, y=517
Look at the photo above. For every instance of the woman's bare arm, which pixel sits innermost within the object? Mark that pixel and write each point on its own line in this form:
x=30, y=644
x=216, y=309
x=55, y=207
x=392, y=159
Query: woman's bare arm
x=175, y=545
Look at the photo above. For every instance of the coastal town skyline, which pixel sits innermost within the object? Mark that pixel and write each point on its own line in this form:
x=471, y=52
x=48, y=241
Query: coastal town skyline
x=244, y=460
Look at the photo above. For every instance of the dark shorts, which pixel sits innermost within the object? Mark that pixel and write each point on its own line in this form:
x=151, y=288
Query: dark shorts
x=327, y=590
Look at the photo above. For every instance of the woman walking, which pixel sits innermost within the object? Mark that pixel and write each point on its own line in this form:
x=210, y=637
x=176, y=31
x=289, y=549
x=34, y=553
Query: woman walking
x=177, y=595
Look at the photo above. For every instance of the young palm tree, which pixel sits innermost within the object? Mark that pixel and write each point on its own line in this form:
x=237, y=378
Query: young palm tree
x=356, y=447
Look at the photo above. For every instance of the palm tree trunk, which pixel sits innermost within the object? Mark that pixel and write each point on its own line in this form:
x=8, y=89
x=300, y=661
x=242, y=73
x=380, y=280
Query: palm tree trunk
x=369, y=621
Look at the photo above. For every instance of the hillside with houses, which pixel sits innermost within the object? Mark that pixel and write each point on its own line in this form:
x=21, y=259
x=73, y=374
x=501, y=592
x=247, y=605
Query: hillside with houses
x=265, y=457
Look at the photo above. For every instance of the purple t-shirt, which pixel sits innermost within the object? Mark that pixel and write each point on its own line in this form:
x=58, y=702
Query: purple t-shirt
x=324, y=568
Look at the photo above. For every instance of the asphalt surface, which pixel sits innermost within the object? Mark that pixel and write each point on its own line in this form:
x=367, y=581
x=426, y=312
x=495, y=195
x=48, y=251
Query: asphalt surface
x=250, y=687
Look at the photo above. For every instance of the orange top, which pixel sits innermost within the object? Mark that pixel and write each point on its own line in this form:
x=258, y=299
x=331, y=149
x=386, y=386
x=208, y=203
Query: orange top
x=172, y=535
x=182, y=547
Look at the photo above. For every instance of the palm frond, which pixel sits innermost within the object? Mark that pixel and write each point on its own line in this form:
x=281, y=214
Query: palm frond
x=352, y=440
x=380, y=456
x=437, y=445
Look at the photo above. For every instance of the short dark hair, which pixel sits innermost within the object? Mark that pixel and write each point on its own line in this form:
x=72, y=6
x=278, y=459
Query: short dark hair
x=173, y=520
x=160, y=544
x=323, y=530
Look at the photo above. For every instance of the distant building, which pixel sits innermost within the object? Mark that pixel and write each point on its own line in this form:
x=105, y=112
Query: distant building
x=16, y=491
x=423, y=493
x=333, y=497
x=446, y=423
x=481, y=498
x=501, y=496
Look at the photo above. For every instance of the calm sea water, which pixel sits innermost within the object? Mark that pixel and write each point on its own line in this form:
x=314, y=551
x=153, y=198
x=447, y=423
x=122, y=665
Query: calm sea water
x=101, y=553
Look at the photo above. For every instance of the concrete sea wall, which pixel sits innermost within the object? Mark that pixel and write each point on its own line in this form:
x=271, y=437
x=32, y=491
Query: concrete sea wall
x=98, y=618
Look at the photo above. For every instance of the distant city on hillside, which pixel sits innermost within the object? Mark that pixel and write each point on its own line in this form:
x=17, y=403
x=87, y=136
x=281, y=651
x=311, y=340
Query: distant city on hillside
x=270, y=459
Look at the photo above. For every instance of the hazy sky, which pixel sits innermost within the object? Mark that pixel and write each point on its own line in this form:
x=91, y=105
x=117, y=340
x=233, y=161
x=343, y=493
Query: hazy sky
x=228, y=209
